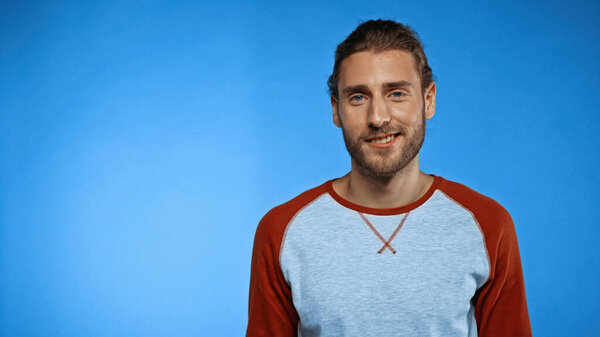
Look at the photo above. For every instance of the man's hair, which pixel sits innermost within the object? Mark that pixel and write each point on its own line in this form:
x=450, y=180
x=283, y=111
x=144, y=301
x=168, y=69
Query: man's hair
x=377, y=36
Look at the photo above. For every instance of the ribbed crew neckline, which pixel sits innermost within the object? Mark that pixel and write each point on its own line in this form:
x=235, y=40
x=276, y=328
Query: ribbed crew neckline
x=384, y=211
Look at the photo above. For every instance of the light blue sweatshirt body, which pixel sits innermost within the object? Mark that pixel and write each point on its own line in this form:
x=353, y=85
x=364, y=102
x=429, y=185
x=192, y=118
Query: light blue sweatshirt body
x=342, y=286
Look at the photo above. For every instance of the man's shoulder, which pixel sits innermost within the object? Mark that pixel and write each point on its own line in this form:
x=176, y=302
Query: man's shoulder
x=277, y=219
x=486, y=210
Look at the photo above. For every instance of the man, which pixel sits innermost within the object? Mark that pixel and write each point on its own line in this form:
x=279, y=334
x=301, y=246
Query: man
x=386, y=250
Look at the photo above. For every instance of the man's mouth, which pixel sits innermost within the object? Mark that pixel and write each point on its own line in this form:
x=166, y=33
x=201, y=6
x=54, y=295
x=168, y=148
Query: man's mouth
x=383, y=139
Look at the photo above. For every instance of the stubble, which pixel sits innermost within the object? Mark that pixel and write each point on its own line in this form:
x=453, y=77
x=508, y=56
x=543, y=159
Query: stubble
x=383, y=167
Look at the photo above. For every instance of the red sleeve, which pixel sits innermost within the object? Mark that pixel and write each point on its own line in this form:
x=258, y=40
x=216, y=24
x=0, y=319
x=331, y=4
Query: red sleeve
x=501, y=306
x=271, y=310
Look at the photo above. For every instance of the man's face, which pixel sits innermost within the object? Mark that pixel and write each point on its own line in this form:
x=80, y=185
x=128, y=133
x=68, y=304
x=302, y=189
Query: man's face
x=382, y=110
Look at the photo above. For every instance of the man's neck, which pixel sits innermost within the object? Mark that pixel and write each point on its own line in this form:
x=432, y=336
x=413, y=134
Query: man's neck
x=402, y=189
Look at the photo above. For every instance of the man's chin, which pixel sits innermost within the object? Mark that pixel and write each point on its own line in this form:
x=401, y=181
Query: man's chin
x=379, y=171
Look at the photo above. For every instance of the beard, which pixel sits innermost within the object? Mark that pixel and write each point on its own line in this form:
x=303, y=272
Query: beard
x=384, y=166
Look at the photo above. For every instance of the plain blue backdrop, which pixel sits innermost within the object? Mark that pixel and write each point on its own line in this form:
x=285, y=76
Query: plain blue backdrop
x=141, y=143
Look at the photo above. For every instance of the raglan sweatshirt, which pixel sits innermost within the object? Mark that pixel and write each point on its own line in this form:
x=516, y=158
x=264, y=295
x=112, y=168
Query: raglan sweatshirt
x=447, y=264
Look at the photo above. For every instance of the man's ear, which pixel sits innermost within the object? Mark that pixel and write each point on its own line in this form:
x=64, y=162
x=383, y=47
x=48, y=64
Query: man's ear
x=334, y=108
x=430, y=100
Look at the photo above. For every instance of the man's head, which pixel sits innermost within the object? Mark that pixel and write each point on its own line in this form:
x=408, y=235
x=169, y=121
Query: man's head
x=381, y=93
x=378, y=36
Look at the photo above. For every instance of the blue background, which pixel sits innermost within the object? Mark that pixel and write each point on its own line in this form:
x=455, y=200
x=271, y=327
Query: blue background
x=141, y=143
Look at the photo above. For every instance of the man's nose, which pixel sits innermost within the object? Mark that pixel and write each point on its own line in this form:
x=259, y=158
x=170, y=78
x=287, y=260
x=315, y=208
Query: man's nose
x=378, y=113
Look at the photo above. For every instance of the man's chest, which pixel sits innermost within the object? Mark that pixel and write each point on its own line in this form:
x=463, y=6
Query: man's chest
x=351, y=271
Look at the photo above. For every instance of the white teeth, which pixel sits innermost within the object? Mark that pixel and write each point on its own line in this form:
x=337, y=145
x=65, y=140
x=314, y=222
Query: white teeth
x=384, y=140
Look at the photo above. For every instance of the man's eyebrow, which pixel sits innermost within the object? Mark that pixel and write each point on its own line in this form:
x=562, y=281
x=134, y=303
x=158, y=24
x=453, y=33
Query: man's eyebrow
x=398, y=84
x=356, y=88
x=390, y=85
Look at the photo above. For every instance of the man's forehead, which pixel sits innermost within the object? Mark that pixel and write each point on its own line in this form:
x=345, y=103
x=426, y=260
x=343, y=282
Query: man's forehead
x=377, y=68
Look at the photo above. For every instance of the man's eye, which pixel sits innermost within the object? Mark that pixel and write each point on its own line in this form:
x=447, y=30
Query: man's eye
x=357, y=98
x=397, y=94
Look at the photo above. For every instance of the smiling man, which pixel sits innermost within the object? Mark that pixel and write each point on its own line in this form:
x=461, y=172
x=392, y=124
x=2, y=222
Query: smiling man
x=386, y=250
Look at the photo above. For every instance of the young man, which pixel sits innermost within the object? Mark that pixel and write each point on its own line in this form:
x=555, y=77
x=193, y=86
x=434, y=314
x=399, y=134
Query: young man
x=386, y=250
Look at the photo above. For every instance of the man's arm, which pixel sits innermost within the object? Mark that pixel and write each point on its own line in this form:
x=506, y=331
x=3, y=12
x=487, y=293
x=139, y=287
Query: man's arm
x=271, y=310
x=501, y=306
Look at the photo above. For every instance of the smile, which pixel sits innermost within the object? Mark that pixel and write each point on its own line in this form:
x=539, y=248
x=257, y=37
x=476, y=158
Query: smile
x=382, y=142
